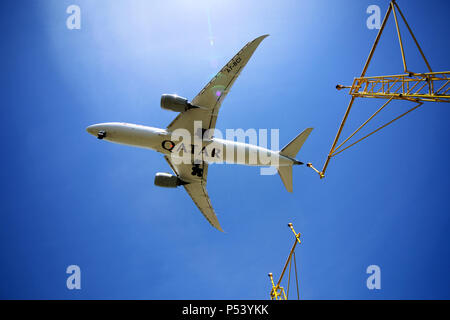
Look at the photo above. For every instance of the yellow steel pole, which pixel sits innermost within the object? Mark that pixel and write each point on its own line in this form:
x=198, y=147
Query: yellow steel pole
x=274, y=294
x=414, y=38
x=330, y=154
x=383, y=126
x=376, y=41
x=386, y=85
x=399, y=37
x=297, y=240
x=276, y=287
x=357, y=130
x=369, y=58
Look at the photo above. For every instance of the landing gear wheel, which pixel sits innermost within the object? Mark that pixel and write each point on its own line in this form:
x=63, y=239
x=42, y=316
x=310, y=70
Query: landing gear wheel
x=197, y=171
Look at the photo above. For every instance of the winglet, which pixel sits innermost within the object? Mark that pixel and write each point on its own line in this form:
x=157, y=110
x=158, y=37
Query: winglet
x=261, y=38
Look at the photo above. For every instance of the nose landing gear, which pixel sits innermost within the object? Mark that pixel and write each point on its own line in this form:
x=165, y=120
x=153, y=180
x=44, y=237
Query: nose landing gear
x=101, y=134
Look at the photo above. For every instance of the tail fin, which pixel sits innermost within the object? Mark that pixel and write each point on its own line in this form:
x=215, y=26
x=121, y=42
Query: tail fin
x=290, y=151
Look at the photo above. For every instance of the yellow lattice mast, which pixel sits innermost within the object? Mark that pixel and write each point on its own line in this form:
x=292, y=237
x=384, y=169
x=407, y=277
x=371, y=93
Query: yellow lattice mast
x=409, y=86
x=277, y=292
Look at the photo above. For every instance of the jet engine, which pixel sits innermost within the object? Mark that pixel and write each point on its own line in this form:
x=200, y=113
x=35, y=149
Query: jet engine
x=167, y=180
x=172, y=102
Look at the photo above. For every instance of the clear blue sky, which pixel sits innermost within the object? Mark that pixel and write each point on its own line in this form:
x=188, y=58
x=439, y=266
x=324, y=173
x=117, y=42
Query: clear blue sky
x=70, y=199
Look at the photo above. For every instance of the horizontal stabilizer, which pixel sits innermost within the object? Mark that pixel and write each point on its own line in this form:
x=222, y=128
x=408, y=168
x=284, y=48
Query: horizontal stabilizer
x=285, y=173
x=293, y=147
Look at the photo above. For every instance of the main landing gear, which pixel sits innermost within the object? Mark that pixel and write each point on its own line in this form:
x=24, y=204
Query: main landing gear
x=197, y=171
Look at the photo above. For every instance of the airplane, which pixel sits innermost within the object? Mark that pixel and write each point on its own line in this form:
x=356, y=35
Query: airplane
x=190, y=168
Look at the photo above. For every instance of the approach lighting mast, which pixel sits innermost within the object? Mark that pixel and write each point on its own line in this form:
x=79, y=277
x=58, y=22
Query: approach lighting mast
x=277, y=292
x=409, y=86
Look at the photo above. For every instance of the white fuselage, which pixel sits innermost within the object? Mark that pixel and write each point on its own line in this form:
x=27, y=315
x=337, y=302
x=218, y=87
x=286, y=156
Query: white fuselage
x=211, y=151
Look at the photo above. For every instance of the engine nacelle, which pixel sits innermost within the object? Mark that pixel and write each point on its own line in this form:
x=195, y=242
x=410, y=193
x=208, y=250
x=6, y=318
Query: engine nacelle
x=167, y=180
x=172, y=102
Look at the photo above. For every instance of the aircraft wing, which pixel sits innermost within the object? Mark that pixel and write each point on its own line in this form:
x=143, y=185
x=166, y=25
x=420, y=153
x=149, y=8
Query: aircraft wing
x=196, y=188
x=212, y=95
x=208, y=100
